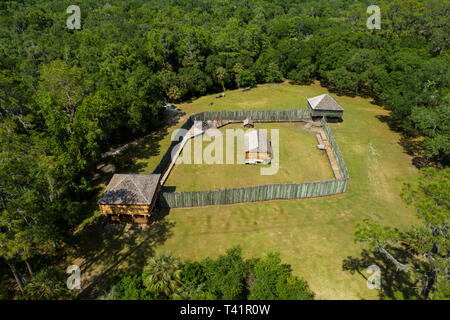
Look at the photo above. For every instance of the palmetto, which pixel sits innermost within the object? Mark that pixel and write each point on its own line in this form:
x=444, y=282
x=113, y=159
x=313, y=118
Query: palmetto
x=162, y=275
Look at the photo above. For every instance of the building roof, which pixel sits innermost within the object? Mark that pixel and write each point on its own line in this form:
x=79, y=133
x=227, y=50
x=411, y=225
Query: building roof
x=128, y=189
x=324, y=102
x=256, y=141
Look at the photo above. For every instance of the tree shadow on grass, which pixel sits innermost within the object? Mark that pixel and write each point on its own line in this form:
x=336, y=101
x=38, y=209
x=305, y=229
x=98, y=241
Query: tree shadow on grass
x=128, y=161
x=107, y=250
x=411, y=145
x=395, y=284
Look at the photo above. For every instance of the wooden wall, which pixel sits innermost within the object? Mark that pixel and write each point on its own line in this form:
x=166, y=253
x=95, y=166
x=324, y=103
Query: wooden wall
x=125, y=209
x=257, y=155
x=126, y=218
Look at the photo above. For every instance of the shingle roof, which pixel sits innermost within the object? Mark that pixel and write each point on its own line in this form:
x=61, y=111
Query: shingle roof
x=131, y=189
x=256, y=141
x=324, y=102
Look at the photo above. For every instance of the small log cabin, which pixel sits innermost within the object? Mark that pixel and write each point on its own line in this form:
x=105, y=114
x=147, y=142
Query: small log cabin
x=130, y=198
x=325, y=106
x=257, y=147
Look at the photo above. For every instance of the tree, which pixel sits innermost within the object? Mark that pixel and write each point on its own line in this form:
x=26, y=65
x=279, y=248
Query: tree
x=162, y=276
x=303, y=72
x=47, y=284
x=226, y=275
x=61, y=91
x=193, y=280
x=131, y=287
x=27, y=226
x=272, y=73
x=221, y=73
x=247, y=79
x=174, y=93
x=238, y=68
x=434, y=124
x=343, y=80
x=428, y=241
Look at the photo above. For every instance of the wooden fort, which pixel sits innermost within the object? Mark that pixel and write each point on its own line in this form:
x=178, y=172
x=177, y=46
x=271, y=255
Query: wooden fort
x=130, y=198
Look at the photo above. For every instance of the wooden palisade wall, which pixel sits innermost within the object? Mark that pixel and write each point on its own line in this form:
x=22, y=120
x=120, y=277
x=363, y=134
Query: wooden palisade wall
x=264, y=192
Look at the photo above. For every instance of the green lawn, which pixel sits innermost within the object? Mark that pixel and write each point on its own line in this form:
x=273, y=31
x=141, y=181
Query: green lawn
x=299, y=161
x=315, y=236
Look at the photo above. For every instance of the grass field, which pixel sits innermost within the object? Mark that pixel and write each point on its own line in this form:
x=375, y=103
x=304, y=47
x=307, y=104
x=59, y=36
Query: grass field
x=299, y=161
x=315, y=236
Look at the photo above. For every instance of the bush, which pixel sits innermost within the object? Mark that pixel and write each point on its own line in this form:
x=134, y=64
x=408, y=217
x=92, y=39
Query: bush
x=247, y=79
x=225, y=277
x=131, y=287
x=303, y=73
x=274, y=281
x=228, y=277
x=273, y=73
x=47, y=284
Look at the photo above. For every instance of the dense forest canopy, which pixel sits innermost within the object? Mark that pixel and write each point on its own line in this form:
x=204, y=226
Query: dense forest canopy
x=66, y=96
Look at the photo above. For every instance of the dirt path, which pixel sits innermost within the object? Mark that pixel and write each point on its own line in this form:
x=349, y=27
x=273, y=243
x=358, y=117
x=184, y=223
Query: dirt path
x=333, y=162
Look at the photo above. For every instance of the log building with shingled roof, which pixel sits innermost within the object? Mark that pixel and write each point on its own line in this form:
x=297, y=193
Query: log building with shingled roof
x=325, y=106
x=130, y=198
x=257, y=147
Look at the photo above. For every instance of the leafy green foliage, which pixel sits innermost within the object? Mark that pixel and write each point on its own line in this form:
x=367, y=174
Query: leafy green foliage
x=247, y=79
x=162, y=276
x=67, y=96
x=47, y=284
x=274, y=281
x=131, y=287
x=228, y=277
x=272, y=73
x=428, y=241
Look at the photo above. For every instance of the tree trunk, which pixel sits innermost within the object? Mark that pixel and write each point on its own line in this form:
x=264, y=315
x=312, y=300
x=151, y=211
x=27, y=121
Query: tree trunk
x=430, y=282
x=16, y=275
x=3, y=200
x=432, y=275
x=30, y=271
x=400, y=266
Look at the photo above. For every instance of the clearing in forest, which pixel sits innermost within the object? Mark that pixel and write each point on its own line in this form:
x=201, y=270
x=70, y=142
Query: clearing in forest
x=299, y=161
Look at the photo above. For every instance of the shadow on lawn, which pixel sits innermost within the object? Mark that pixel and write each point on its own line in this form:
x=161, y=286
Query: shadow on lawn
x=109, y=250
x=128, y=160
x=149, y=146
x=411, y=145
x=394, y=284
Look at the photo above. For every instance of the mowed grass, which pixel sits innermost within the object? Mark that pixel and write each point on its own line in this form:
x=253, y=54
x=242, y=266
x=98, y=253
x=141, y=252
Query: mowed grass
x=276, y=96
x=299, y=160
x=315, y=235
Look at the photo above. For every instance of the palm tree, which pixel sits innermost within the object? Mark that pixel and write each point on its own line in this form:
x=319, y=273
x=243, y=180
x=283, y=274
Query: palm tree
x=162, y=275
x=47, y=284
x=238, y=68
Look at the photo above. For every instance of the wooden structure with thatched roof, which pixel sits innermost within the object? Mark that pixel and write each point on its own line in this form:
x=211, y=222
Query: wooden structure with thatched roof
x=325, y=106
x=257, y=147
x=130, y=198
